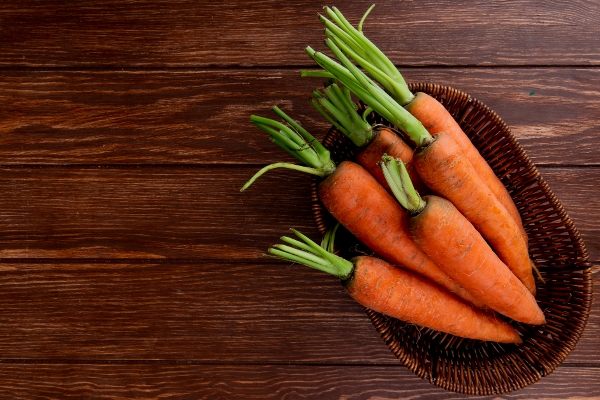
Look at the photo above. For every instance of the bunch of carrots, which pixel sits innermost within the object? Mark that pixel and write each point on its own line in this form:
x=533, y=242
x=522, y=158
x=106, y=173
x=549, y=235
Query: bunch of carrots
x=450, y=251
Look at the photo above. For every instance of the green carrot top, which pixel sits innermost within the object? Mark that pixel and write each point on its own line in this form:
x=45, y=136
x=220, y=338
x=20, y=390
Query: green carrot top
x=369, y=92
x=295, y=140
x=336, y=105
x=309, y=253
x=356, y=45
x=399, y=181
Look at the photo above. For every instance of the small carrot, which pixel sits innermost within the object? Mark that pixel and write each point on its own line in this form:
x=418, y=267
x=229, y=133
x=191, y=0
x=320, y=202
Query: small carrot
x=358, y=202
x=382, y=103
x=446, y=236
x=373, y=141
x=399, y=294
x=430, y=112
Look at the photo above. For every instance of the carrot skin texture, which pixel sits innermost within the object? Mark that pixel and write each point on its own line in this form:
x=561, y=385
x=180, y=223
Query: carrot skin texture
x=467, y=258
x=391, y=291
x=368, y=211
x=444, y=168
x=435, y=118
x=387, y=142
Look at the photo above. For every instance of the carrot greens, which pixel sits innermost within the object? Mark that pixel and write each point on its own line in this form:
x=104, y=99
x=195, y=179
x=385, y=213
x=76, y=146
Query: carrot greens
x=335, y=104
x=312, y=255
x=298, y=142
x=355, y=44
x=369, y=92
x=397, y=177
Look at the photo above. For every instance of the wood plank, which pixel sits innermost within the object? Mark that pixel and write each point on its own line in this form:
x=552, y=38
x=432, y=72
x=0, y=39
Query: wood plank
x=64, y=381
x=189, y=213
x=227, y=312
x=201, y=117
x=148, y=213
x=210, y=313
x=576, y=189
x=248, y=33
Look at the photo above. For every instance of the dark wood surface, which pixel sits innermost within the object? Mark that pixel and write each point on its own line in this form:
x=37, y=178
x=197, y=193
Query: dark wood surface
x=130, y=264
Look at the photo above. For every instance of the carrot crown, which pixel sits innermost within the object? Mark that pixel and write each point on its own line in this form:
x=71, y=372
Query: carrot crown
x=336, y=105
x=369, y=92
x=295, y=140
x=307, y=252
x=399, y=181
x=355, y=44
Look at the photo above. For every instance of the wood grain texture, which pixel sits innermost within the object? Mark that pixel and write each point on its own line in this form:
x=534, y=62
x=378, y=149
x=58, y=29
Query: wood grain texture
x=189, y=213
x=130, y=265
x=289, y=382
x=202, y=117
x=249, y=33
x=211, y=313
x=148, y=213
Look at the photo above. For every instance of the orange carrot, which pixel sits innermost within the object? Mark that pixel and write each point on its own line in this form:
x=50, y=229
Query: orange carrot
x=446, y=170
x=469, y=259
x=435, y=118
x=425, y=108
x=357, y=201
x=399, y=294
x=448, y=238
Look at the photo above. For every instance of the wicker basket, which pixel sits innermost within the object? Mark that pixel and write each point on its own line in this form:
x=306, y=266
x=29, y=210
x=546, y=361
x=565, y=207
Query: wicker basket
x=485, y=368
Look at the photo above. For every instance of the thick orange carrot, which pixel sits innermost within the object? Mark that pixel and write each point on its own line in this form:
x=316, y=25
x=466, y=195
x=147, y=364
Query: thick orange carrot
x=397, y=293
x=467, y=258
x=387, y=142
x=369, y=212
x=435, y=118
x=446, y=170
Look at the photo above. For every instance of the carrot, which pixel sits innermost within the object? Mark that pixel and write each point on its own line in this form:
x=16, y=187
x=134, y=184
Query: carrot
x=399, y=294
x=425, y=108
x=446, y=236
x=446, y=170
x=373, y=141
x=359, y=203
x=434, y=116
x=382, y=103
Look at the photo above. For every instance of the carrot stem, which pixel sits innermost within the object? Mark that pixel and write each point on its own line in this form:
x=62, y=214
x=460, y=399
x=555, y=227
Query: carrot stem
x=337, y=31
x=367, y=54
x=362, y=20
x=397, y=177
x=333, y=121
x=316, y=145
x=308, y=170
x=328, y=242
x=305, y=73
x=312, y=255
x=284, y=255
x=371, y=94
x=393, y=86
x=290, y=143
x=343, y=114
x=298, y=142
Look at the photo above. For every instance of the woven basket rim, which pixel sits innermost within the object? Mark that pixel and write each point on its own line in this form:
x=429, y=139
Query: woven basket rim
x=538, y=356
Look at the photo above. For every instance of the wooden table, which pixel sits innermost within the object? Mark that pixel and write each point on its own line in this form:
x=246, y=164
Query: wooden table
x=130, y=263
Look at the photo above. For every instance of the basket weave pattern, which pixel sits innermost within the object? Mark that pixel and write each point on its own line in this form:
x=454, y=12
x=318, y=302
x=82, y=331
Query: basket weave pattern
x=485, y=368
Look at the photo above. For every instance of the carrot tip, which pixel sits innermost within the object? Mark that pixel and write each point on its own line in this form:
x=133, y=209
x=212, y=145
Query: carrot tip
x=519, y=340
